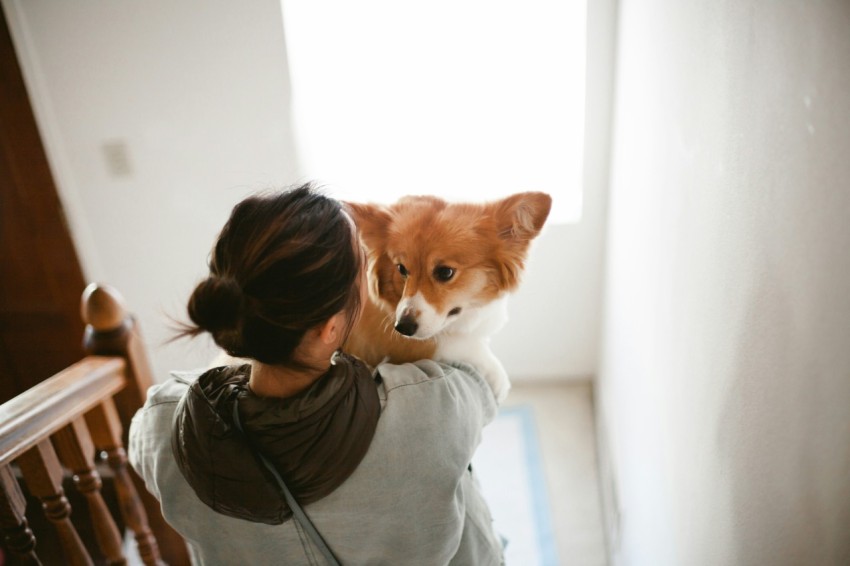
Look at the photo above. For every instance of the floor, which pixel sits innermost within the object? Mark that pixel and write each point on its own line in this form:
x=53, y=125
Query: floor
x=565, y=421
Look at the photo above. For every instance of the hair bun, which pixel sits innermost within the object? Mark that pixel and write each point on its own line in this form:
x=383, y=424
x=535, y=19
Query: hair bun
x=217, y=304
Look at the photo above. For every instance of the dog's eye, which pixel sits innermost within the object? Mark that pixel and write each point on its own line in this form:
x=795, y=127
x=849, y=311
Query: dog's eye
x=443, y=273
x=402, y=269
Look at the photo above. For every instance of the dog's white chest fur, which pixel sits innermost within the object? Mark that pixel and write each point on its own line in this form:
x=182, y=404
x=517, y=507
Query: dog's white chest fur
x=467, y=340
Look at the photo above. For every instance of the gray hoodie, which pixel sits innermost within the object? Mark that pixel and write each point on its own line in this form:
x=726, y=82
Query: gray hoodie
x=412, y=499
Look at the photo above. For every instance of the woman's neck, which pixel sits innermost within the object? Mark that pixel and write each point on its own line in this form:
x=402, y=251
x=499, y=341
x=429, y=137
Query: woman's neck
x=279, y=381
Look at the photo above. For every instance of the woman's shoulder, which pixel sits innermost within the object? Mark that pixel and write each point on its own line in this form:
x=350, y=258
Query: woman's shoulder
x=425, y=372
x=173, y=388
x=431, y=390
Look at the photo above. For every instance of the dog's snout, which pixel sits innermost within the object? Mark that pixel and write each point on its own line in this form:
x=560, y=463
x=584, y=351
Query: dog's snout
x=407, y=325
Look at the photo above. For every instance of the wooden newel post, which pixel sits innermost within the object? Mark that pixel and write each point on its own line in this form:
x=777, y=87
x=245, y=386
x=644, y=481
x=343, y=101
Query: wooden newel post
x=112, y=331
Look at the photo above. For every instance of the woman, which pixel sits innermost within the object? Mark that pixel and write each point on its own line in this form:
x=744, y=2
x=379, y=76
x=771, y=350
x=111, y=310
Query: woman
x=377, y=467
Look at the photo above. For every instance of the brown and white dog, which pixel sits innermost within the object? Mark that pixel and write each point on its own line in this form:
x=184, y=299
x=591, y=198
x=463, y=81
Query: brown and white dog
x=439, y=274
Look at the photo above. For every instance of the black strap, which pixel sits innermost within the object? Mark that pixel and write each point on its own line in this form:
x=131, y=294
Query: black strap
x=297, y=511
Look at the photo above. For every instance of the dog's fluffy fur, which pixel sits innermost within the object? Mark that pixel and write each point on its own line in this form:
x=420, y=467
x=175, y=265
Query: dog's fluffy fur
x=440, y=273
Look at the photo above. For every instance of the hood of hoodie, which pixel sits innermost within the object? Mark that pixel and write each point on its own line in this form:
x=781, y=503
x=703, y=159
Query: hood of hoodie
x=314, y=439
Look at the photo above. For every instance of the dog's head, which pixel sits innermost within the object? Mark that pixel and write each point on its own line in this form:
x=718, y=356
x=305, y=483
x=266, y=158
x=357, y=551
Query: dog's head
x=430, y=261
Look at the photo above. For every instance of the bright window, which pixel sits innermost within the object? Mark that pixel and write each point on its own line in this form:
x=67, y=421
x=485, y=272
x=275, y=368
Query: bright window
x=469, y=100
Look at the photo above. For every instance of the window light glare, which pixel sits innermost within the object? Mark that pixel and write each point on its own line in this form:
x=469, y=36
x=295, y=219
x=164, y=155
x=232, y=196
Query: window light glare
x=465, y=100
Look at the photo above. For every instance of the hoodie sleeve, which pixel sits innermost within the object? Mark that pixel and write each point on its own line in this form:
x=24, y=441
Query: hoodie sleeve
x=149, y=446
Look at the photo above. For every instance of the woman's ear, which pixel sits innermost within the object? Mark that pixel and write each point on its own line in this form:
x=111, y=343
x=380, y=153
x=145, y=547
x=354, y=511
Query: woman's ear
x=330, y=332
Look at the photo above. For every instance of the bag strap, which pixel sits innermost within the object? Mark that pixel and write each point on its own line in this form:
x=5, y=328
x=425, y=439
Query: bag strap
x=297, y=511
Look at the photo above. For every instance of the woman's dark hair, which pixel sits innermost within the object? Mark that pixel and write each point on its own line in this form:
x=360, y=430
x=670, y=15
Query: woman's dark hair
x=283, y=264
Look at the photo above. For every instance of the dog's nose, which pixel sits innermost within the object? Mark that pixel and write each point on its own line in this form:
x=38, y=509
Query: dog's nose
x=407, y=325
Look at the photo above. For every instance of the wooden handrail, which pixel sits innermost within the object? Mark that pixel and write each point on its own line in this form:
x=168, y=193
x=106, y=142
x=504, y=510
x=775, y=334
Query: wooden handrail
x=59, y=424
x=42, y=410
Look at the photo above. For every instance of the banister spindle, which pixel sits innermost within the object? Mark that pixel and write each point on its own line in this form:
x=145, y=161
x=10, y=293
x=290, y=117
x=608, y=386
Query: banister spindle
x=75, y=449
x=13, y=522
x=105, y=426
x=43, y=475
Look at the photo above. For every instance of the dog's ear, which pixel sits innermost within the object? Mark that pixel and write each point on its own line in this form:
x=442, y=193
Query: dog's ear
x=518, y=220
x=371, y=220
x=383, y=282
x=520, y=217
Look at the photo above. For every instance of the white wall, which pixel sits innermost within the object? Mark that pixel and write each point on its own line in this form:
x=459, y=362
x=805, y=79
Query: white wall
x=556, y=313
x=724, y=387
x=198, y=92
x=199, y=95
